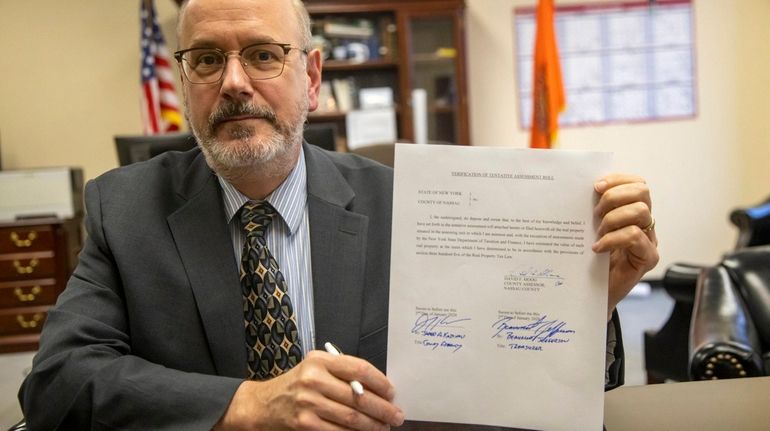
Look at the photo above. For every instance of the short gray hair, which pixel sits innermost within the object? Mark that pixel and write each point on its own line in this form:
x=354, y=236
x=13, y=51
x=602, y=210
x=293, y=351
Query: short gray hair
x=303, y=18
x=305, y=30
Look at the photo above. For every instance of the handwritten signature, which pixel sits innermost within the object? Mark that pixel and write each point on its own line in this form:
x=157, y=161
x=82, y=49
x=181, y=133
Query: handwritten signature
x=541, y=330
x=442, y=344
x=435, y=324
x=441, y=330
x=538, y=273
x=517, y=346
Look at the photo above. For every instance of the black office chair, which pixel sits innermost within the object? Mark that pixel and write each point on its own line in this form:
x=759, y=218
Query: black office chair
x=667, y=350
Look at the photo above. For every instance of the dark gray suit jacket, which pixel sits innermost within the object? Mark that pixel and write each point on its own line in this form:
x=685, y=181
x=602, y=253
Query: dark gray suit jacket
x=149, y=331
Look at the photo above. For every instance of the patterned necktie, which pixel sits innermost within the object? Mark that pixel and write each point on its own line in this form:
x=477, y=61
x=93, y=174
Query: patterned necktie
x=272, y=340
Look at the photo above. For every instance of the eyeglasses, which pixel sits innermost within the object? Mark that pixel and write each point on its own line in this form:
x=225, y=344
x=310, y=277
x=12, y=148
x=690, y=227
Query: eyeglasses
x=260, y=61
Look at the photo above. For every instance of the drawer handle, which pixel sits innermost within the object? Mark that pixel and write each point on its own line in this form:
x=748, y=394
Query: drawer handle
x=29, y=269
x=27, y=297
x=23, y=242
x=31, y=323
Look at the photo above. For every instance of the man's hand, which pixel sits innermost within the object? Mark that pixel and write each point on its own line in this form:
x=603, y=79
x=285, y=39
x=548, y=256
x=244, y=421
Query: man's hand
x=627, y=231
x=315, y=395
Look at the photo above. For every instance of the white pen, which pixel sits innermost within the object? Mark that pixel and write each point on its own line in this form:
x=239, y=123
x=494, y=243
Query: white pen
x=358, y=388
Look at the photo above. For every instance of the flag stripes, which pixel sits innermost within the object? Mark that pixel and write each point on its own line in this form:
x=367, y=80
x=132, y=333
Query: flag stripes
x=160, y=105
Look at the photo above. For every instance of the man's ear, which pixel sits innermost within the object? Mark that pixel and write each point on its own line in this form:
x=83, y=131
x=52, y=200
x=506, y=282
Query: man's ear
x=314, y=78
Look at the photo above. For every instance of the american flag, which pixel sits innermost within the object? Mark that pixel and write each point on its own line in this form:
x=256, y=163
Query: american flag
x=160, y=105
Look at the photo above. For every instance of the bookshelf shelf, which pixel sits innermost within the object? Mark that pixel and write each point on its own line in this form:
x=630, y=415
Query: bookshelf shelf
x=403, y=45
x=326, y=116
x=346, y=65
x=439, y=109
x=318, y=116
x=432, y=58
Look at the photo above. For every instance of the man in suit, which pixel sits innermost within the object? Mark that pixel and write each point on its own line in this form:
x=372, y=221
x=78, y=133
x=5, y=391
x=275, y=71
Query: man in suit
x=153, y=330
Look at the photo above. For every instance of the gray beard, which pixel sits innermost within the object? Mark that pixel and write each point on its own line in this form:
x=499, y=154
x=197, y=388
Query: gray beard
x=271, y=154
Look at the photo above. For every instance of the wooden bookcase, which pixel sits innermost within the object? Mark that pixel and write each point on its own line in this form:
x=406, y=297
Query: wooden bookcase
x=410, y=44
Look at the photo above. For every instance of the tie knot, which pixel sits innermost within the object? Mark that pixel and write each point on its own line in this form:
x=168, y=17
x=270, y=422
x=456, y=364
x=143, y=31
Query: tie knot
x=256, y=216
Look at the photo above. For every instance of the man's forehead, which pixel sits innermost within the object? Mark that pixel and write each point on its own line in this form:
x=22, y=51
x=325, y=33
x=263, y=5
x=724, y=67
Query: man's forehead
x=259, y=16
x=233, y=7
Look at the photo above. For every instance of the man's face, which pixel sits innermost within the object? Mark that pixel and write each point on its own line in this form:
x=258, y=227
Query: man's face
x=244, y=124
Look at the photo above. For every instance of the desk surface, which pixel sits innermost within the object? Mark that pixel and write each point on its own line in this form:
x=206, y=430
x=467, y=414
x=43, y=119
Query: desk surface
x=717, y=405
x=737, y=404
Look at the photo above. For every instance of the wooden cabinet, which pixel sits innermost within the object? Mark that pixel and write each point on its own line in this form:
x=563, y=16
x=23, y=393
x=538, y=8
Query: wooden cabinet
x=400, y=44
x=36, y=259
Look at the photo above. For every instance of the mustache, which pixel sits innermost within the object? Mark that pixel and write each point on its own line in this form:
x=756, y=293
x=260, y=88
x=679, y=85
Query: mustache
x=230, y=110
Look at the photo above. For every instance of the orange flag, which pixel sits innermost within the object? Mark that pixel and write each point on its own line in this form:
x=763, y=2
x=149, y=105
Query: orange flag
x=548, y=90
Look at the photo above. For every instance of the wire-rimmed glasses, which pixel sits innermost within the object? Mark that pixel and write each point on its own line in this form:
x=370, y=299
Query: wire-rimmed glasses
x=260, y=61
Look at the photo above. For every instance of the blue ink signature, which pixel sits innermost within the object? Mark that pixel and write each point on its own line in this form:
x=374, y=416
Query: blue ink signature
x=443, y=344
x=517, y=346
x=541, y=330
x=433, y=325
x=439, y=326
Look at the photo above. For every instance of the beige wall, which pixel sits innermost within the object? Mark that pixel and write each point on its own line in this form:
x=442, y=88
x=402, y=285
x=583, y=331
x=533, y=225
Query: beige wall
x=698, y=169
x=69, y=80
x=69, y=83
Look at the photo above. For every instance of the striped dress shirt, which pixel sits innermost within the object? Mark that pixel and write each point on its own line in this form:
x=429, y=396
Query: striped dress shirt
x=288, y=238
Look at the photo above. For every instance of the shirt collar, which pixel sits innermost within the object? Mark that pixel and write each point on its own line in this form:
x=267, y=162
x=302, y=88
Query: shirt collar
x=288, y=199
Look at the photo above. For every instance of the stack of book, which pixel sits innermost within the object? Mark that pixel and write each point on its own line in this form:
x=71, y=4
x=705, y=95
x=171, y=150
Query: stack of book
x=347, y=35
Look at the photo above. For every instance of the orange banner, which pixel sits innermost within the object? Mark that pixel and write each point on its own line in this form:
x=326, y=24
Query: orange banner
x=547, y=88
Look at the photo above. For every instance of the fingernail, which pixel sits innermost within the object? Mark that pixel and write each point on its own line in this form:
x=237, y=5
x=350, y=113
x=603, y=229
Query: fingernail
x=600, y=186
x=390, y=394
x=398, y=420
x=595, y=247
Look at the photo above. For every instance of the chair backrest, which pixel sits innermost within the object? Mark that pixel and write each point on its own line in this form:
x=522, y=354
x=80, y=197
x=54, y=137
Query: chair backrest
x=323, y=135
x=383, y=153
x=137, y=148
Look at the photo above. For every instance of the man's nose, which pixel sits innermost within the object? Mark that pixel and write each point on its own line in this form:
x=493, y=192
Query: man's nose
x=235, y=82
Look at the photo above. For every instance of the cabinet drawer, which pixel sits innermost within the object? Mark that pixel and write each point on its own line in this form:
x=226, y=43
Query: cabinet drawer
x=25, y=266
x=24, y=239
x=27, y=293
x=22, y=320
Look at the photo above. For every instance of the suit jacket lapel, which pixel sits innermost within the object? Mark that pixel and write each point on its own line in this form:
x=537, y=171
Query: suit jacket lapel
x=338, y=250
x=203, y=241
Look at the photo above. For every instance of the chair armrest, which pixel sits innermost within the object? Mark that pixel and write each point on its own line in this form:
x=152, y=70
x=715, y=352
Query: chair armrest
x=749, y=269
x=666, y=353
x=680, y=279
x=723, y=338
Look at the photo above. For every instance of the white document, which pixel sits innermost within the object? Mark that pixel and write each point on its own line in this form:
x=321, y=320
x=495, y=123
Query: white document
x=497, y=304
